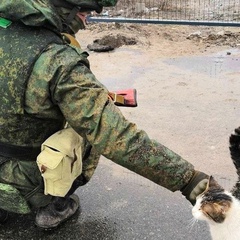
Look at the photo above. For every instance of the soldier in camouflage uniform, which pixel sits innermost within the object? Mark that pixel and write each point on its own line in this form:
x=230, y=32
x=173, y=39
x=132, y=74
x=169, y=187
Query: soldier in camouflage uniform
x=45, y=82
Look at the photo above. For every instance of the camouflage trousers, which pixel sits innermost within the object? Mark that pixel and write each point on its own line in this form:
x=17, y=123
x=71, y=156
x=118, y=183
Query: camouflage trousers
x=26, y=177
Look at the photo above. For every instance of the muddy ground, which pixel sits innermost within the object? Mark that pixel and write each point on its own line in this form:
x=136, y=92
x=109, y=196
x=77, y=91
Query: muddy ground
x=166, y=40
x=187, y=83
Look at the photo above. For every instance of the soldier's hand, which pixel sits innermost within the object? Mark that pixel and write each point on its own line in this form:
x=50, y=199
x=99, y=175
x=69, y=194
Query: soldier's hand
x=196, y=186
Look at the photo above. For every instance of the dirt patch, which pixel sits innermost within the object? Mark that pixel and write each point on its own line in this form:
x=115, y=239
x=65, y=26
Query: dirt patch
x=168, y=40
x=110, y=42
x=222, y=38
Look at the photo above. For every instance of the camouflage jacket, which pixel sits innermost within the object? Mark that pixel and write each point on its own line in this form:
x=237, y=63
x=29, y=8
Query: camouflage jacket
x=61, y=86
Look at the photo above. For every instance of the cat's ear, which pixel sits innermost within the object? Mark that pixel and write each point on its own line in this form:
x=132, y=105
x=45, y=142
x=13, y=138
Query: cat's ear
x=213, y=184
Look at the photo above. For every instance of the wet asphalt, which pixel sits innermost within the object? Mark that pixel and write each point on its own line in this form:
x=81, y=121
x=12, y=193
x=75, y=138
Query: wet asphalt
x=189, y=109
x=117, y=204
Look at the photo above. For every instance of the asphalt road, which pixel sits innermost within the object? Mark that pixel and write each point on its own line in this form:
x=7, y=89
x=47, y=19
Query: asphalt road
x=191, y=105
x=117, y=204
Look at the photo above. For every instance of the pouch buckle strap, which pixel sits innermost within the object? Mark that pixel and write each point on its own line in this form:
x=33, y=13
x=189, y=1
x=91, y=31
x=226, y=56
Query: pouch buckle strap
x=20, y=152
x=117, y=99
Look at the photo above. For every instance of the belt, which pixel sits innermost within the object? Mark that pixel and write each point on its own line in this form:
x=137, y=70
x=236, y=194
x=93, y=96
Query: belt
x=20, y=152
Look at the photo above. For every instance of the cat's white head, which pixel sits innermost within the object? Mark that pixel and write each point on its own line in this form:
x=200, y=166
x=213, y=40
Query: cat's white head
x=214, y=204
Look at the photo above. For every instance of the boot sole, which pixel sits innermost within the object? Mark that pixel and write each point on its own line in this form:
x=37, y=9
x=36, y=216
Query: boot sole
x=52, y=227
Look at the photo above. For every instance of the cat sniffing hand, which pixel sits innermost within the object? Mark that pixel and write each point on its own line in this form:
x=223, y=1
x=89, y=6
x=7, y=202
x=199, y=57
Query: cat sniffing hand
x=218, y=207
x=221, y=210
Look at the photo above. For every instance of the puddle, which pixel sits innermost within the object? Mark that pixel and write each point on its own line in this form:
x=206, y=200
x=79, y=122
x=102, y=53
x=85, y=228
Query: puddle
x=216, y=65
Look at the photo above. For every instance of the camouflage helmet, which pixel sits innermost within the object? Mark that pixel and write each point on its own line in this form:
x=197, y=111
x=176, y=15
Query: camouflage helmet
x=86, y=5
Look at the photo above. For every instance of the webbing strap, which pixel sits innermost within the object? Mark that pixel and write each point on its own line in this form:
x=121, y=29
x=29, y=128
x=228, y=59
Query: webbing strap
x=20, y=152
x=72, y=15
x=117, y=99
x=72, y=40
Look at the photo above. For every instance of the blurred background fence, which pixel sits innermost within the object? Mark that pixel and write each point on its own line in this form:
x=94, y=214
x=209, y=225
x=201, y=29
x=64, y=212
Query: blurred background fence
x=197, y=12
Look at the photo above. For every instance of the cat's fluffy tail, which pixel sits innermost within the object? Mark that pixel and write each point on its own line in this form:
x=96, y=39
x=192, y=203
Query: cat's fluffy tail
x=234, y=147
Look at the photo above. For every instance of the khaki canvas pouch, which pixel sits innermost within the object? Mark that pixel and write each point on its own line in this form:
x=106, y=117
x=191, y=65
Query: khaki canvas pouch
x=60, y=161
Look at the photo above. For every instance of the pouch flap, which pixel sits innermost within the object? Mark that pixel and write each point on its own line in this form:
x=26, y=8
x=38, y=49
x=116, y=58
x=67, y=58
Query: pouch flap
x=64, y=141
x=49, y=158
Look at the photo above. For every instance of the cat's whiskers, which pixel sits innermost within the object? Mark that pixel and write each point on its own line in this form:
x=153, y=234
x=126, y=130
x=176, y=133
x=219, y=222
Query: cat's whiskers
x=191, y=223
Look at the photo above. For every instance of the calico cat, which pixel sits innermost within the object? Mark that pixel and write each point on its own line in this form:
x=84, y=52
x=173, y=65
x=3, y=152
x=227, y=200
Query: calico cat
x=221, y=210
x=218, y=207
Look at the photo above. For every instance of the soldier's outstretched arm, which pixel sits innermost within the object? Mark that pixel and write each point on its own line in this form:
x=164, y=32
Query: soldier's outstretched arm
x=86, y=106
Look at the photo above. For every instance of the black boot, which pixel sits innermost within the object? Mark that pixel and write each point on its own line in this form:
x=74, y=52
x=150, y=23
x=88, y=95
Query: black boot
x=3, y=216
x=56, y=212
